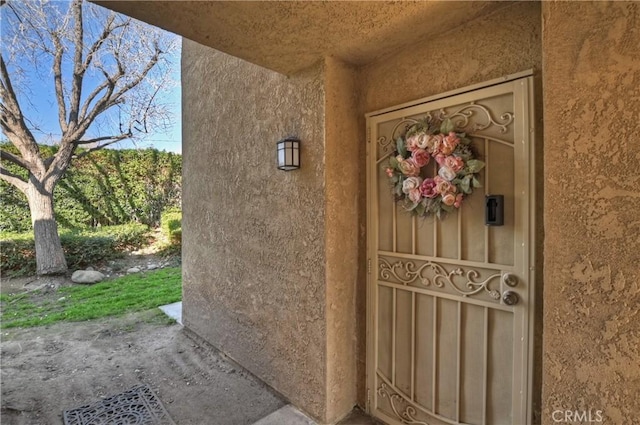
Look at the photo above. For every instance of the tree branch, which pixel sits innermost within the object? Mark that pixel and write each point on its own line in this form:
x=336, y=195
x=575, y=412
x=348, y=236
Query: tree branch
x=152, y=62
x=57, y=78
x=13, y=123
x=109, y=81
x=110, y=99
x=100, y=139
x=104, y=145
x=13, y=179
x=8, y=156
x=106, y=33
x=78, y=71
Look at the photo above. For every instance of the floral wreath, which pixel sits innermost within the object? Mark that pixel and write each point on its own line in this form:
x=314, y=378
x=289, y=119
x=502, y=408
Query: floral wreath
x=457, y=168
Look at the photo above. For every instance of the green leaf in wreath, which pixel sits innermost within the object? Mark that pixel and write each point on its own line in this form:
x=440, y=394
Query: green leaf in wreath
x=446, y=127
x=420, y=209
x=474, y=165
x=465, y=184
x=398, y=189
x=476, y=182
x=434, y=205
x=393, y=162
x=402, y=148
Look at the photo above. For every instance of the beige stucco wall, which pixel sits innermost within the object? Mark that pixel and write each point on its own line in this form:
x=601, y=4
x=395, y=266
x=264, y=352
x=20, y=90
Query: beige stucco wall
x=253, y=257
x=592, y=209
x=504, y=42
x=282, y=289
x=343, y=234
x=271, y=258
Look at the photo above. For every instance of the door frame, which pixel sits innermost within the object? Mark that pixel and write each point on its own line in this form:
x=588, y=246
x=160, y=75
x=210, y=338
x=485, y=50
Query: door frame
x=527, y=113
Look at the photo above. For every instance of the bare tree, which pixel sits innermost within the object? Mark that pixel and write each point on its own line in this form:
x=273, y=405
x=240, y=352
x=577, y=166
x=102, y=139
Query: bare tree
x=106, y=71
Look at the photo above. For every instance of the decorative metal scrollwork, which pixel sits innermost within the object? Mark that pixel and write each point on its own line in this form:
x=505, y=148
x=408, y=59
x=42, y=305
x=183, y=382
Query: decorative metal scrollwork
x=388, y=144
x=407, y=416
x=407, y=272
x=461, y=116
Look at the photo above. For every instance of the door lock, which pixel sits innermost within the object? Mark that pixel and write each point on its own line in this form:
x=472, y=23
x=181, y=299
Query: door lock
x=510, y=298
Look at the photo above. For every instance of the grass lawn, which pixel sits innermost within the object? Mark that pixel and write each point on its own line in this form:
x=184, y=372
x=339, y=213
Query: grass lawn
x=128, y=294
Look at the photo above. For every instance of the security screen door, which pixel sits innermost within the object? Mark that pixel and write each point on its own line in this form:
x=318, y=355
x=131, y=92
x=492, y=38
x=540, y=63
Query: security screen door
x=450, y=301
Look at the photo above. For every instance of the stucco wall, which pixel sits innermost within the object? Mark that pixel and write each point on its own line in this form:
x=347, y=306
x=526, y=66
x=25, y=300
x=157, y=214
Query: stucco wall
x=343, y=139
x=592, y=203
x=504, y=42
x=253, y=257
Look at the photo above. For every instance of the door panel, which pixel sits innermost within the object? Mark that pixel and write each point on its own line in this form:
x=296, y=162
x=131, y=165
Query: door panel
x=443, y=347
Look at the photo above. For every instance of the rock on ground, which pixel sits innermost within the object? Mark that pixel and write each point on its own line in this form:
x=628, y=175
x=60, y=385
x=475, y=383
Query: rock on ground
x=86, y=276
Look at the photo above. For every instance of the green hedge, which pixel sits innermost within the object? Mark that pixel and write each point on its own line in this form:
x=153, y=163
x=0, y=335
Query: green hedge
x=108, y=187
x=82, y=248
x=171, y=225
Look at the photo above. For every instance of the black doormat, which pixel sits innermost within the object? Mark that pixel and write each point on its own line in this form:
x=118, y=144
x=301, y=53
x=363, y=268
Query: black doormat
x=138, y=406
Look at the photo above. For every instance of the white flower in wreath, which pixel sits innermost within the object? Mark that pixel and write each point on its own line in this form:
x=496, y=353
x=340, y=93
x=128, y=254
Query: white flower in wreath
x=411, y=184
x=423, y=141
x=446, y=173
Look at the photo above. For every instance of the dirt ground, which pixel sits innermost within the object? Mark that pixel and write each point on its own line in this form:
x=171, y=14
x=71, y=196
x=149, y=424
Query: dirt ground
x=46, y=370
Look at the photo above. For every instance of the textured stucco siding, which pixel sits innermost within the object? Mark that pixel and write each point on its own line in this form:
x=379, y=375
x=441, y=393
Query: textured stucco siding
x=344, y=143
x=253, y=254
x=592, y=209
x=274, y=262
x=504, y=42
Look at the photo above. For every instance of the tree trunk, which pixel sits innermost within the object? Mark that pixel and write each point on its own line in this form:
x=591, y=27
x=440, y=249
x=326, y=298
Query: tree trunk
x=49, y=254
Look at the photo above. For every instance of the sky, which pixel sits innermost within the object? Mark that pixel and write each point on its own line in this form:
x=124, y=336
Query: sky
x=39, y=105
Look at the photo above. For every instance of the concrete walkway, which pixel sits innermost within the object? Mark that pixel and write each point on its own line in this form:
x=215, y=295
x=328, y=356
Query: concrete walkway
x=173, y=310
x=287, y=415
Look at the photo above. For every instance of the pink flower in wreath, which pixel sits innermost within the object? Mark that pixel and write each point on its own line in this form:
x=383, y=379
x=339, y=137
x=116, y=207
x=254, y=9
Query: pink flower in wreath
x=415, y=196
x=420, y=157
x=412, y=142
x=408, y=167
x=443, y=186
x=454, y=162
x=433, y=144
x=389, y=172
x=458, y=201
x=449, y=143
x=428, y=188
x=449, y=199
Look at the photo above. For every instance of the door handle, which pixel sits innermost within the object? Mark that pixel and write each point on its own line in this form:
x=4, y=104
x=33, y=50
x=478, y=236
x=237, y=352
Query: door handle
x=510, y=298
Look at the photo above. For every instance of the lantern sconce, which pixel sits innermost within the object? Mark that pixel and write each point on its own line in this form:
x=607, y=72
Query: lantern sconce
x=288, y=154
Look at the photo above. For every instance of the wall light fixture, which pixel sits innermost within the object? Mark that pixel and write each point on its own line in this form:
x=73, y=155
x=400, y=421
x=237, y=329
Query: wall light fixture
x=288, y=154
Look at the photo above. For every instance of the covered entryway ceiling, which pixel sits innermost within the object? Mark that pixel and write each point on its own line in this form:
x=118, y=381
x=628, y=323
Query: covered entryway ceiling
x=288, y=36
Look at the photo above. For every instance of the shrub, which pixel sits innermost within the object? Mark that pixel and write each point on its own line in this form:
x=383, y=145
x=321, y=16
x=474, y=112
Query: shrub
x=125, y=236
x=171, y=225
x=108, y=187
x=81, y=247
x=17, y=256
